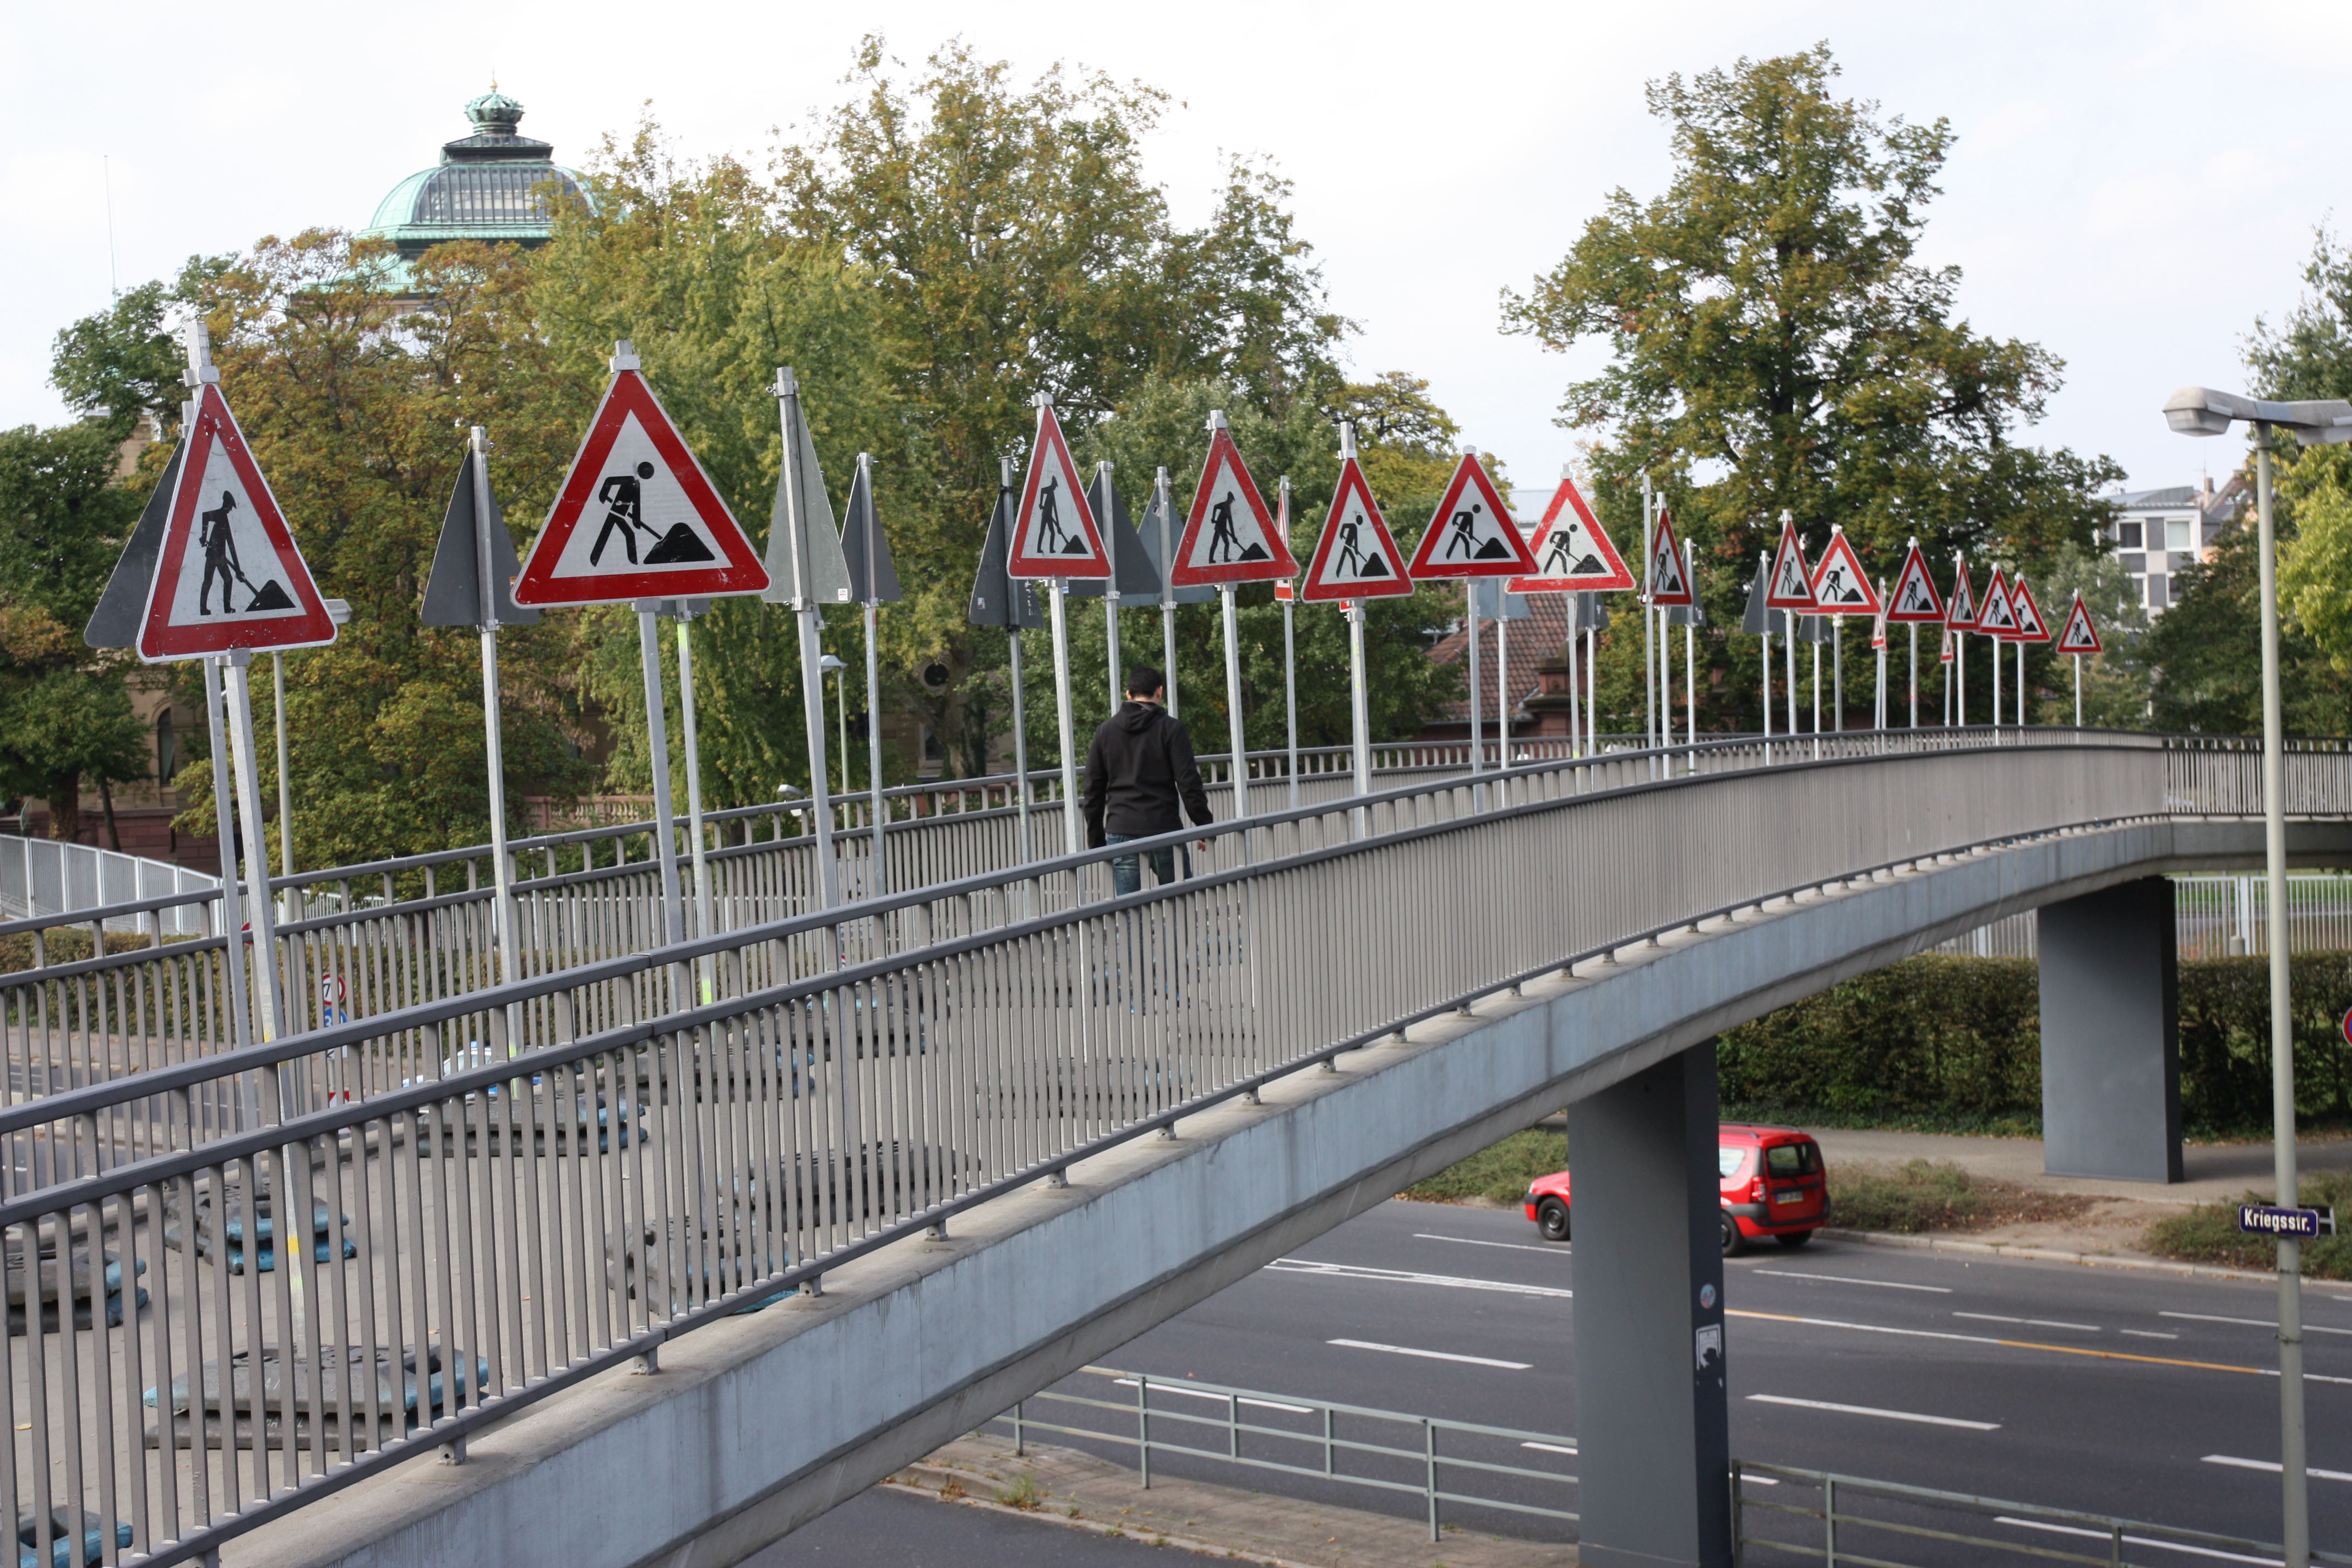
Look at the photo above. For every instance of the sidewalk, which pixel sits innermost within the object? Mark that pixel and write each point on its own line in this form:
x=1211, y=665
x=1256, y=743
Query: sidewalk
x=1084, y=1492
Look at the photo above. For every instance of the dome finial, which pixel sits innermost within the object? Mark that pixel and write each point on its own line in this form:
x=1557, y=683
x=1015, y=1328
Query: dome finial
x=494, y=113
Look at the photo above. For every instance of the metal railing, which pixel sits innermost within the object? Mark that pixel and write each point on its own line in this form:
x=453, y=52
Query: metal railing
x=47, y=882
x=510, y=1190
x=1286, y=1424
x=2217, y=916
x=1857, y=1517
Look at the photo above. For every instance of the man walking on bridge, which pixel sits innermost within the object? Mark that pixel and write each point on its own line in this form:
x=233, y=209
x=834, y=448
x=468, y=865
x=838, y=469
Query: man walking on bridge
x=1139, y=769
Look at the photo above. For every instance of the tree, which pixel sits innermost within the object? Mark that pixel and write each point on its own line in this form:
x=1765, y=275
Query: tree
x=2206, y=652
x=2118, y=679
x=123, y=365
x=2309, y=354
x=1777, y=344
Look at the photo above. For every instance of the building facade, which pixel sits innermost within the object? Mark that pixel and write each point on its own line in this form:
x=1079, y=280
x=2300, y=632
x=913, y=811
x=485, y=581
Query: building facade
x=2159, y=534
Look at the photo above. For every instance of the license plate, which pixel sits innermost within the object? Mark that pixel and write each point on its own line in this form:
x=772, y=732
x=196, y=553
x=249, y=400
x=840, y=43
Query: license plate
x=1790, y=1196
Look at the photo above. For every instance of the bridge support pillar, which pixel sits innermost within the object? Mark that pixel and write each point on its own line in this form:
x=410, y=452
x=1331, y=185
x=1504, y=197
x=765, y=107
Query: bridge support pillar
x=1654, y=1448
x=2111, y=1035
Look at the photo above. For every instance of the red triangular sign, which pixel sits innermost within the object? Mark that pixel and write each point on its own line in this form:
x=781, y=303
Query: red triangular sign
x=1230, y=537
x=636, y=518
x=1572, y=553
x=228, y=574
x=1054, y=532
x=1996, y=616
x=1357, y=558
x=1670, y=584
x=1791, y=586
x=1944, y=655
x=1839, y=585
x=1914, y=598
x=1471, y=535
x=1878, y=624
x=2031, y=627
x=2080, y=635
x=1961, y=615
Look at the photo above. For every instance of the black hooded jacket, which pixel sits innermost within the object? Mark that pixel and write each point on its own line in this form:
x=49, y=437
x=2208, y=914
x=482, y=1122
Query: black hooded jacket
x=1138, y=768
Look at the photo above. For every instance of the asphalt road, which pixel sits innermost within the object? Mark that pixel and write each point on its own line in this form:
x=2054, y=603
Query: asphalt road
x=2107, y=1391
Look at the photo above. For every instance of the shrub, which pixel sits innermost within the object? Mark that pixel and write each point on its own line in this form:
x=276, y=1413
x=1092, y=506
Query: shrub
x=1500, y=1171
x=2208, y=1233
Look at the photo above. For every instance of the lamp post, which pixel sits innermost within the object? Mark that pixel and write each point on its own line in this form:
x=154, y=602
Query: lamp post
x=2200, y=411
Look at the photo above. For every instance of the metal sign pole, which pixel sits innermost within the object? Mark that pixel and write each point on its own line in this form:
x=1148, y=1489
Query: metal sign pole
x=1057, y=596
x=1020, y=747
x=2078, y=691
x=1575, y=684
x=1359, y=693
x=1233, y=700
x=1502, y=680
x=232, y=911
x=1994, y=643
x=493, y=739
x=285, y=783
x=1764, y=576
x=1165, y=502
x=1478, y=730
x=1915, y=675
x=266, y=1014
x=1690, y=671
x=2021, y=684
x=1592, y=692
x=1110, y=599
x=1649, y=632
x=879, y=879
x=1817, y=694
x=810, y=618
x=1837, y=678
x=703, y=925
x=1289, y=647
x=657, y=751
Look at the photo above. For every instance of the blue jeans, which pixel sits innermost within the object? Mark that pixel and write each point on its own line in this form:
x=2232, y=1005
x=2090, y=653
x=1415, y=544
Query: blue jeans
x=1126, y=871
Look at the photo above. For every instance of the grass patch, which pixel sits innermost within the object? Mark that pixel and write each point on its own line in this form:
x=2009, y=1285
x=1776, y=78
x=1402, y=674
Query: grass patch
x=1923, y=1195
x=1024, y=1494
x=2208, y=1233
x=1500, y=1171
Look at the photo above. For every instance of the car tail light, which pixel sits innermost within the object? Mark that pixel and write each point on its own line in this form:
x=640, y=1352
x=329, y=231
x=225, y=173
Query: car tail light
x=1756, y=1191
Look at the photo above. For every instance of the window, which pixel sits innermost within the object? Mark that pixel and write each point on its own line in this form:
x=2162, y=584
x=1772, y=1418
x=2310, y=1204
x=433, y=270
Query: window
x=2128, y=535
x=167, y=748
x=2176, y=535
x=2158, y=591
x=1792, y=1159
x=2133, y=561
x=1728, y=1160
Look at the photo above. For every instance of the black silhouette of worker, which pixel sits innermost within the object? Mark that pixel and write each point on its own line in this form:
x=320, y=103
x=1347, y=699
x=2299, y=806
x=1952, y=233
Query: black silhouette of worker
x=624, y=502
x=220, y=556
x=1221, y=530
x=1049, y=518
x=1557, y=559
x=1838, y=593
x=1465, y=532
x=1351, y=554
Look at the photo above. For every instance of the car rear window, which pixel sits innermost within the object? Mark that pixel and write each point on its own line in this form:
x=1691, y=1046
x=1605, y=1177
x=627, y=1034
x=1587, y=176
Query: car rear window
x=1729, y=1159
x=1792, y=1159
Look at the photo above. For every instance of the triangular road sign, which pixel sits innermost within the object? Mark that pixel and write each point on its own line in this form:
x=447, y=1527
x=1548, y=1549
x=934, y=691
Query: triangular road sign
x=1357, y=557
x=636, y=518
x=2031, y=627
x=2080, y=635
x=1230, y=537
x=1960, y=615
x=1878, y=625
x=997, y=599
x=805, y=566
x=115, y=621
x=1160, y=531
x=1054, y=532
x=1472, y=534
x=228, y=574
x=1757, y=620
x=1996, y=616
x=1943, y=654
x=865, y=548
x=453, y=589
x=1791, y=586
x=1670, y=584
x=1839, y=585
x=1572, y=553
x=1915, y=598
x=1136, y=577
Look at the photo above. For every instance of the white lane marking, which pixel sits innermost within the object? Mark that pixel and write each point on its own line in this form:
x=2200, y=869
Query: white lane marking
x=2136, y=1541
x=1472, y=1241
x=1432, y=1355
x=1548, y=1448
x=2147, y=1334
x=1204, y=1394
x=1850, y=1279
x=1872, y=1410
x=2274, y=1467
x=1412, y=1277
x=1986, y=1339
x=2034, y=1323
x=2270, y=1323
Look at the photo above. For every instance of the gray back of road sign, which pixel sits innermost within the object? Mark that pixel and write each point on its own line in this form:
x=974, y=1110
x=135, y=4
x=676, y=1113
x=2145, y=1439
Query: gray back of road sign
x=115, y=622
x=1816, y=629
x=997, y=599
x=865, y=548
x=1162, y=529
x=1138, y=574
x=1588, y=611
x=453, y=590
x=1760, y=621
x=1691, y=615
x=811, y=537
x=1494, y=604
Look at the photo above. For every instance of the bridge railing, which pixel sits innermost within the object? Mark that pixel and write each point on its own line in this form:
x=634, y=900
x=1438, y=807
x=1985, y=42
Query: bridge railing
x=683, y=1134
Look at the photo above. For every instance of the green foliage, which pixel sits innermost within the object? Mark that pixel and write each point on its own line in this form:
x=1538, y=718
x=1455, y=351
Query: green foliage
x=2118, y=679
x=2208, y=1233
x=2225, y=1041
x=1499, y=1172
x=1913, y=1197
x=2207, y=654
x=122, y=364
x=1778, y=344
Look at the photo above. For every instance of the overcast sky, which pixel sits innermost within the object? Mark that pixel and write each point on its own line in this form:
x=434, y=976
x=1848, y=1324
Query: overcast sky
x=2133, y=183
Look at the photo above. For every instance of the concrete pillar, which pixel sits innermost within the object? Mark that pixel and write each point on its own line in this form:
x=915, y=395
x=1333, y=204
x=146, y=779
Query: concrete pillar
x=2111, y=1035
x=1654, y=1446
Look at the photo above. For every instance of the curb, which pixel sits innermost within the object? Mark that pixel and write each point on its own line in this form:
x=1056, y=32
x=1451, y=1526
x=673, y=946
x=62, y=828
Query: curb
x=929, y=1478
x=2046, y=1254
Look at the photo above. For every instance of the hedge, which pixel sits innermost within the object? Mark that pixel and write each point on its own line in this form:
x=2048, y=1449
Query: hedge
x=1956, y=1043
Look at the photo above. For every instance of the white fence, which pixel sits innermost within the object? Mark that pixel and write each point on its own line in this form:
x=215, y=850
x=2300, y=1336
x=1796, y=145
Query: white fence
x=2217, y=917
x=49, y=876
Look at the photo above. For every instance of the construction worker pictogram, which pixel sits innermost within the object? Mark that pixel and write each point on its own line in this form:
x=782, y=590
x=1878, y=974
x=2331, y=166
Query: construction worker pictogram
x=1230, y=536
x=1471, y=535
x=1960, y=612
x=2031, y=627
x=1841, y=587
x=1670, y=583
x=1791, y=586
x=2081, y=635
x=1054, y=532
x=1996, y=616
x=1573, y=553
x=1915, y=599
x=1357, y=557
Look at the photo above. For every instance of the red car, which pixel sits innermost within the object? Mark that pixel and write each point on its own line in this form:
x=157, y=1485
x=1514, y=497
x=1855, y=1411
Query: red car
x=1773, y=1184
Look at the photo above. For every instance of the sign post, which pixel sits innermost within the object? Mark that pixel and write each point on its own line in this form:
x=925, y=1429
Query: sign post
x=2081, y=636
x=1573, y=555
x=1959, y=619
x=1356, y=560
x=1000, y=600
x=1649, y=620
x=1789, y=587
x=1134, y=575
x=873, y=580
x=1758, y=622
x=1673, y=595
x=1284, y=593
x=1915, y=603
x=1046, y=542
x=2031, y=628
x=1471, y=535
x=1160, y=531
x=1997, y=619
x=1843, y=589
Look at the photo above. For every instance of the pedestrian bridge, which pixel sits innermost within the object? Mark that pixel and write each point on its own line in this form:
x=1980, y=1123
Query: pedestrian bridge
x=675, y=1248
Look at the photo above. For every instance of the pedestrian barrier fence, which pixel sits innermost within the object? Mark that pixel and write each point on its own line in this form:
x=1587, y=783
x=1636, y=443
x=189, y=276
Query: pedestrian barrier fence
x=50, y=882
x=1350, y=1445
x=1848, y=1519
x=2218, y=916
x=241, y=1279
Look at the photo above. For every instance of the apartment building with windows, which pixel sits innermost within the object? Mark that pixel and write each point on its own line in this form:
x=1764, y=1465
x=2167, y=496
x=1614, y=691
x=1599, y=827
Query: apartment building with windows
x=2158, y=533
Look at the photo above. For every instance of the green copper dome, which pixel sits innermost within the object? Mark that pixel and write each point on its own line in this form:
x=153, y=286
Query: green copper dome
x=492, y=184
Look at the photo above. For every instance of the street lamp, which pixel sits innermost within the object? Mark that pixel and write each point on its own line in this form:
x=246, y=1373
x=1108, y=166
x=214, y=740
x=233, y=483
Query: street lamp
x=2200, y=411
x=831, y=666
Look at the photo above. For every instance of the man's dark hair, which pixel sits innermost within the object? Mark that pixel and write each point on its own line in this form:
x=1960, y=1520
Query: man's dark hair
x=1142, y=680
